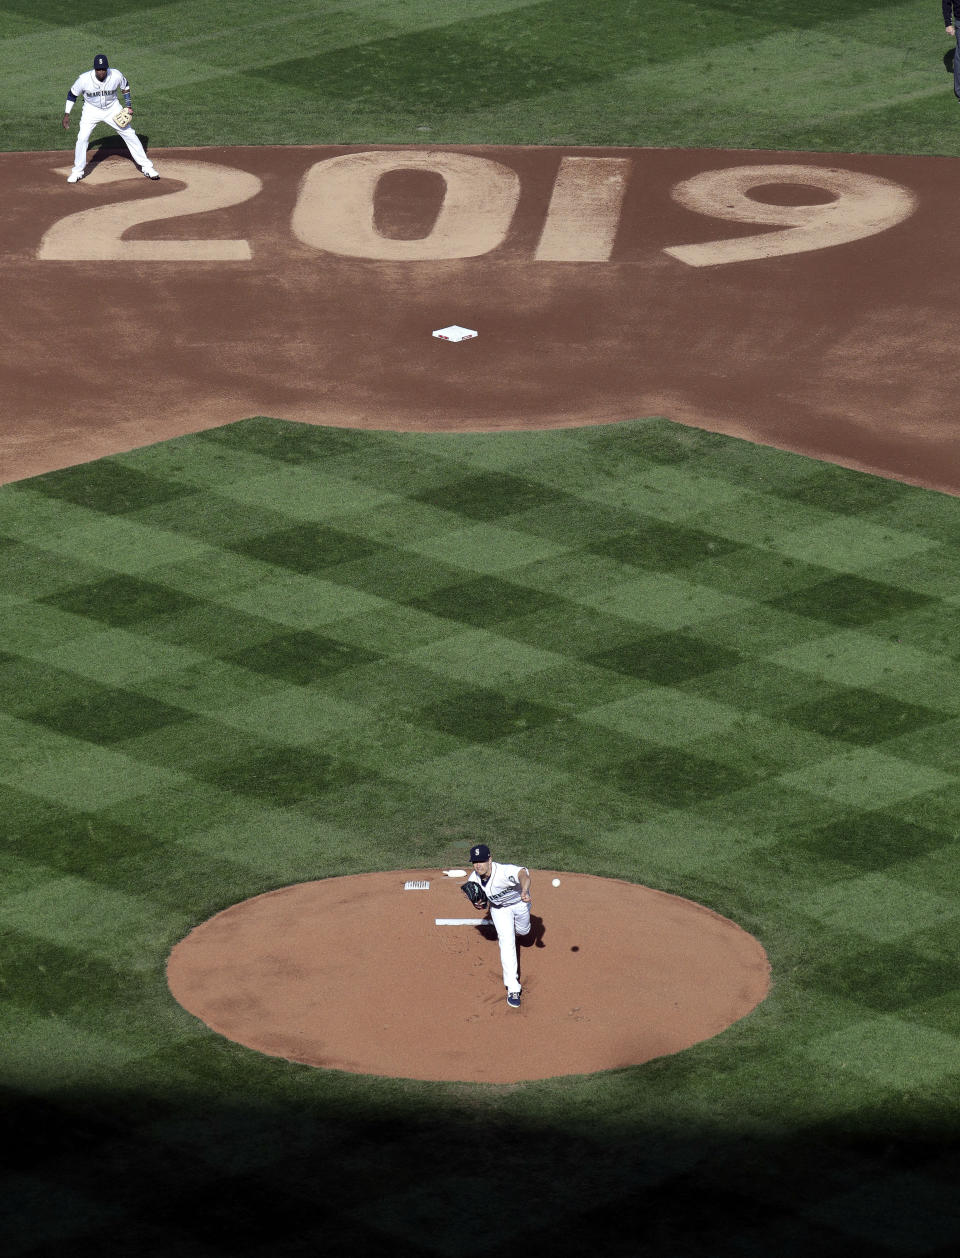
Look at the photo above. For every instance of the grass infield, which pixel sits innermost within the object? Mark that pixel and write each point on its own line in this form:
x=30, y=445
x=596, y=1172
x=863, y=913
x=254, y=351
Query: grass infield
x=273, y=652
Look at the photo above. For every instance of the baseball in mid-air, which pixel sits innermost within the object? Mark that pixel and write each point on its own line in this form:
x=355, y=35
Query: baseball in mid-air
x=556, y=882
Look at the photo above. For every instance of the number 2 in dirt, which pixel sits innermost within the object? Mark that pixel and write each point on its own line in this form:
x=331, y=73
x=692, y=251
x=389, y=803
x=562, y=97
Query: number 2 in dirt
x=96, y=234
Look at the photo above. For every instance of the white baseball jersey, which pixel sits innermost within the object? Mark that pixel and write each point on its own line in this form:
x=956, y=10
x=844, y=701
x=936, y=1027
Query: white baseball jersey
x=100, y=95
x=503, y=886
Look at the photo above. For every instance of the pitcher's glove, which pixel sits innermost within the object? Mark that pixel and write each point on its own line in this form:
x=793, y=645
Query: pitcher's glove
x=475, y=894
x=122, y=116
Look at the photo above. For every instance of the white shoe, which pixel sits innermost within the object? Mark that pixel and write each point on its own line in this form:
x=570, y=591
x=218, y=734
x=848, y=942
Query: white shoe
x=74, y=177
x=150, y=173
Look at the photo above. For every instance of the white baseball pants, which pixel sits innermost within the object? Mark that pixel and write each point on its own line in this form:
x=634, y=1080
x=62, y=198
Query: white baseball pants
x=91, y=117
x=509, y=922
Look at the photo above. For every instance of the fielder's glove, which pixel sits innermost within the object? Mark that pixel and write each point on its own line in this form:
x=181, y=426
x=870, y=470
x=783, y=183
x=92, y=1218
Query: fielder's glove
x=122, y=116
x=475, y=894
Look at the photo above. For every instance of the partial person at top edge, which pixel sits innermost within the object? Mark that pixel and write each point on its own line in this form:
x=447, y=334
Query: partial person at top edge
x=951, y=20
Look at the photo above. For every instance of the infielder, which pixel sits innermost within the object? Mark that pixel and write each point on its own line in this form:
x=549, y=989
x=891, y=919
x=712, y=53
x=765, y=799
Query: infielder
x=99, y=88
x=507, y=887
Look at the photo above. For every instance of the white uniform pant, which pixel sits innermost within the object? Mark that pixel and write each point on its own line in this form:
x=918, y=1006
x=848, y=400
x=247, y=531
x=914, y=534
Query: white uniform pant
x=91, y=117
x=509, y=922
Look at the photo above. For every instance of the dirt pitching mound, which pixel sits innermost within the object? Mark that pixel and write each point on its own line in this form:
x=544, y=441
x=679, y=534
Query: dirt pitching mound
x=356, y=974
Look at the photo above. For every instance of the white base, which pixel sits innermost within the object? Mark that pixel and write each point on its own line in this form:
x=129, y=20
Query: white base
x=454, y=333
x=463, y=921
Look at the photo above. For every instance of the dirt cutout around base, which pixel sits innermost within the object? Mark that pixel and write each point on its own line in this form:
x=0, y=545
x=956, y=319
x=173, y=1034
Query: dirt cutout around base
x=794, y=299
x=355, y=974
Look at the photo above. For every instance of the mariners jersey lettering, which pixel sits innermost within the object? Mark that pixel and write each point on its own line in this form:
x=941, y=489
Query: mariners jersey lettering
x=100, y=95
x=503, y=885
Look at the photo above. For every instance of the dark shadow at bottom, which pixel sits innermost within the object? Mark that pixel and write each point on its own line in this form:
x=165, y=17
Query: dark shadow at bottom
x=378, y=1167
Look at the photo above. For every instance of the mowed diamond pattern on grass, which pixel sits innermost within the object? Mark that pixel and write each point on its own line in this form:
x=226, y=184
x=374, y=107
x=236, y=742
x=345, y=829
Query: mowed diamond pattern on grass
x=523, y=609
x=273, y=652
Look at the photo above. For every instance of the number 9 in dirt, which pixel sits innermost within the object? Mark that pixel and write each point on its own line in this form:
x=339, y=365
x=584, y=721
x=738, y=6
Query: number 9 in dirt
x=862, y=206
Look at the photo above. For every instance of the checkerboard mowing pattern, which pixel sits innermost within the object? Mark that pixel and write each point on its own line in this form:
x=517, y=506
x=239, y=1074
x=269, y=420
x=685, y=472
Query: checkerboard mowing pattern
x=273, y=652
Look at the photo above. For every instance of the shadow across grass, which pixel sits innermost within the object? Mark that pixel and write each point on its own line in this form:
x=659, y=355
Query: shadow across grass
x=403, y=1169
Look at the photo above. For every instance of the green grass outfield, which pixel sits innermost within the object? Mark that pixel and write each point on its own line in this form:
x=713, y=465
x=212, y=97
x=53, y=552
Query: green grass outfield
x=273, y=652
x=833, y=75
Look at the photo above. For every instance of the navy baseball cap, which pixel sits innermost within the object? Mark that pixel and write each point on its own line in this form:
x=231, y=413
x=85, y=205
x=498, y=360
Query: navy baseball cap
x=100, y=62
x=479, y=853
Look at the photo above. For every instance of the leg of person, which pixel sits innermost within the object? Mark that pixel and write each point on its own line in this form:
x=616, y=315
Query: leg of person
x=88, y=120
x=137, y=151
x=506, y=936
x=956, y=69
x=521, y=918
x=521, y=927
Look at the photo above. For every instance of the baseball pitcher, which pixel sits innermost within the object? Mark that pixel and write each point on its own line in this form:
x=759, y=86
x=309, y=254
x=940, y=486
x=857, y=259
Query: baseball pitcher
x=99, y=88
x=506, y=890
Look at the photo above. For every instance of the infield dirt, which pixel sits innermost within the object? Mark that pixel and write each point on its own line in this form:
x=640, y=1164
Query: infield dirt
x=261, y=301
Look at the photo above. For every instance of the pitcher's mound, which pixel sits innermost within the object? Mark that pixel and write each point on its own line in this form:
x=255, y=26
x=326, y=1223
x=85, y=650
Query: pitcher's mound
x=355, y=974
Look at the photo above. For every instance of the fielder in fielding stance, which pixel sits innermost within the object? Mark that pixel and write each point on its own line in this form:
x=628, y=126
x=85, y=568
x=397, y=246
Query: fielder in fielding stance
x=99, y=88
x=508, y=890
